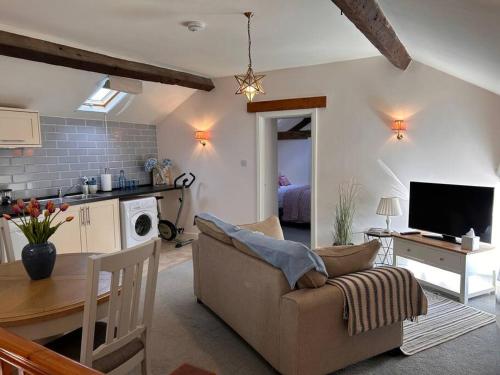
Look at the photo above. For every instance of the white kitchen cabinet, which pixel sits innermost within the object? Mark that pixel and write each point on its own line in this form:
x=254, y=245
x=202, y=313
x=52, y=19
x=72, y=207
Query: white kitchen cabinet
x=102, y=226
x=95, y=228
x=19, y=128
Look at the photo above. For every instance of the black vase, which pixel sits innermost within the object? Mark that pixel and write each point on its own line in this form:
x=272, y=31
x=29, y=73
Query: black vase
x=39, y=260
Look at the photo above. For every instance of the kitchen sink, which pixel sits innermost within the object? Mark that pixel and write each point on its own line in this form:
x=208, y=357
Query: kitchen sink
x=43, y=202
x=80, y=197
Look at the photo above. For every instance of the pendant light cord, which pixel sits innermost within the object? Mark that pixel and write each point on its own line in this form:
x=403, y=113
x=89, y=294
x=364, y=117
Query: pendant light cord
x=249, y=42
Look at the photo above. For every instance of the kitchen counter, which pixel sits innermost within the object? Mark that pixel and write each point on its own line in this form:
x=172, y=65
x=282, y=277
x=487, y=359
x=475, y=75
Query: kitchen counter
x=102, y=195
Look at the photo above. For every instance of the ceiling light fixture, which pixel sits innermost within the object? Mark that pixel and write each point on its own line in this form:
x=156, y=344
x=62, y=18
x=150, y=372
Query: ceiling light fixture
x=195, y=26
x=249, y=83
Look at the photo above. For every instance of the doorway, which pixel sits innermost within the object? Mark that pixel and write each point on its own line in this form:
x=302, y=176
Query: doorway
x=286, y=171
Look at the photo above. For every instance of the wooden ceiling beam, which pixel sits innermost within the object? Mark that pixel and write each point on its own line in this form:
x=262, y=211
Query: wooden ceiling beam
x=302, y=134
x=302, y=124
x=369, y=18
x=23, y=47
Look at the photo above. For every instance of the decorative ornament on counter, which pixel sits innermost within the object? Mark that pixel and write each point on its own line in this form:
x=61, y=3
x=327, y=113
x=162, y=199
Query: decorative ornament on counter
x=470, y=241
x=161, y=172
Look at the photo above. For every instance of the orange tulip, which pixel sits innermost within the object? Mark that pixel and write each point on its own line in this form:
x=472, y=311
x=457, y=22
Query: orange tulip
x=51, y=207
x=64, y=207
x=69, y=218
x=46, y=213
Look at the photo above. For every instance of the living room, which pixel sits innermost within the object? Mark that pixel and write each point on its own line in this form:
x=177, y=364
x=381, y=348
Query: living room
x=392, y=113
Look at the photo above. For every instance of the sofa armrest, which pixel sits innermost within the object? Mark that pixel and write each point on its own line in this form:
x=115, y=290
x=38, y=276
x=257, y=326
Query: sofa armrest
x=314, y=338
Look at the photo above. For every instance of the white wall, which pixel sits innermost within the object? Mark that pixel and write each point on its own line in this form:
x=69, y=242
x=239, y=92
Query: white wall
x=453, y=136
x=294, y=160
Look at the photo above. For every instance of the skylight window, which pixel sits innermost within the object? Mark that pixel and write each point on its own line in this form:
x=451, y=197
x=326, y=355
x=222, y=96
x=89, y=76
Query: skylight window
x=102, y=100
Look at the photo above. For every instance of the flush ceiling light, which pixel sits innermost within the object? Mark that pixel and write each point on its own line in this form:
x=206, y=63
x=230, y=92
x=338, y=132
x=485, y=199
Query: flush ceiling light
x=249, y=83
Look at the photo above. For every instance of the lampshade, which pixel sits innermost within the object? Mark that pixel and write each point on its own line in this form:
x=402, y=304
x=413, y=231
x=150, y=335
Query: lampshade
x=201, y=136
x=389, y=207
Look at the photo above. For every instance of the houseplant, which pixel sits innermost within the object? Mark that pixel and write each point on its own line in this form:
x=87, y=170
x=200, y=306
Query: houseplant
x=344, y=214
x=39, y=255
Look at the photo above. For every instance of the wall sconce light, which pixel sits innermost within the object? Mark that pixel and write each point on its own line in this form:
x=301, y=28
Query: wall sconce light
x=399, y=126
x=201, y=136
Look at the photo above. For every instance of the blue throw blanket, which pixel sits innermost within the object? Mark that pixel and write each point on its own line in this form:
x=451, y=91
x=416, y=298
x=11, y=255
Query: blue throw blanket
x=293, y=258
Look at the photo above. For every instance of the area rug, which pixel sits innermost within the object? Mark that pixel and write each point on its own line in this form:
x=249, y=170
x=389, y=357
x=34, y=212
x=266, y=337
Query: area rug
x=445, y=321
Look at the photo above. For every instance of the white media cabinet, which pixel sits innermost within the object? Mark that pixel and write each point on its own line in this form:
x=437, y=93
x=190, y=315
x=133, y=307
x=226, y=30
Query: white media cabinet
x=462, y=273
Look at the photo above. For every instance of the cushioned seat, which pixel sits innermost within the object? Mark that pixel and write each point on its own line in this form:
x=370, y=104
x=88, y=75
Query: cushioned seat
x=69, y=346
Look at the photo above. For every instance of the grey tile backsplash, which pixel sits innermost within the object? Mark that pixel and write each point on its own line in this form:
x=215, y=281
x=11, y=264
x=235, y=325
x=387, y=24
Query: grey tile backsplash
x=73, y=148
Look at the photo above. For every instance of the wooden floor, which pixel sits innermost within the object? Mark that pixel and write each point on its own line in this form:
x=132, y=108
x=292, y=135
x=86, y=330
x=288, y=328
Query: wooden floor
x=170, y=256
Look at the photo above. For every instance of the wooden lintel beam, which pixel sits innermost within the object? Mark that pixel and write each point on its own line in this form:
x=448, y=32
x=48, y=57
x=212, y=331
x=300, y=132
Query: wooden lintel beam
x=287, y=104
x=302, y=124
x=369, y=18
x=32, y=49
x=302, y=134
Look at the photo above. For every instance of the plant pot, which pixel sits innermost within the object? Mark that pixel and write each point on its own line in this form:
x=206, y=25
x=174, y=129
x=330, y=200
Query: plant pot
x=39, y=260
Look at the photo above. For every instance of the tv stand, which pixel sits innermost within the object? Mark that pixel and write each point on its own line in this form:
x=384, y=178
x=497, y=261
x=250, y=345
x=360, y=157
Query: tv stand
x=470, y=273
x=439, y=237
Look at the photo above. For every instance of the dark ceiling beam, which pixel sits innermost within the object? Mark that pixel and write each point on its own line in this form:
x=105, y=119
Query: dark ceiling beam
x=302, y=134
x=302, y=124
x=368, y=17
x=23, y=47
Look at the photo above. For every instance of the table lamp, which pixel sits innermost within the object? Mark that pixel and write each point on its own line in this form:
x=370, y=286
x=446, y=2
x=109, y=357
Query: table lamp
x=389, y=207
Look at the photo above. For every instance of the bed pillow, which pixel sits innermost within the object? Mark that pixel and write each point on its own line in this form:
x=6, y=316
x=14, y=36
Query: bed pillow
x=341, y=260
x=283, y=181
x=270, y=227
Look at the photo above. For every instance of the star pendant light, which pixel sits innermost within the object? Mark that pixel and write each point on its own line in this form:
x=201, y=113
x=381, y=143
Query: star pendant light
x=249, y=83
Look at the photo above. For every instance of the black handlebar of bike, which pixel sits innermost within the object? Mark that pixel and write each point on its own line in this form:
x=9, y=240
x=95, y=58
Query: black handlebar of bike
x=185, y=182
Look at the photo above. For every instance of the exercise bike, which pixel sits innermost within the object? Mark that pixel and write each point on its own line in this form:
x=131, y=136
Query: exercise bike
x=171, y=231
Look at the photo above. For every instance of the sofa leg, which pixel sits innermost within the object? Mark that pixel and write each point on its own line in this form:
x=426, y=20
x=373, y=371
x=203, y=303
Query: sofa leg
x=199, y=301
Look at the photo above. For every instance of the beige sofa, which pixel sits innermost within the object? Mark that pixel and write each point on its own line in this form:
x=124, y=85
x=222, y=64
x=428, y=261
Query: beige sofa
x=299, y=332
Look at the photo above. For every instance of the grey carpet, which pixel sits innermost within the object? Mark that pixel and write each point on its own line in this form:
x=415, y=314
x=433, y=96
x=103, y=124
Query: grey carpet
x=184, y=331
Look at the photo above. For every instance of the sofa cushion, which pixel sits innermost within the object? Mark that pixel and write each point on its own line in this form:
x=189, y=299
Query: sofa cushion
x=270, y=227
x=212, y=230
x=341, y=260
x=311, y=279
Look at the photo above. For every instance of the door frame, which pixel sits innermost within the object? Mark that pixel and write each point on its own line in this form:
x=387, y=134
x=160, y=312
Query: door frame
x=261, y=118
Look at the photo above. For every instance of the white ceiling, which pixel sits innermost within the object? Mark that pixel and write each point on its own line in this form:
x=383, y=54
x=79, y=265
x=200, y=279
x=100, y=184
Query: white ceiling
x=460, y=37
x=285, y=33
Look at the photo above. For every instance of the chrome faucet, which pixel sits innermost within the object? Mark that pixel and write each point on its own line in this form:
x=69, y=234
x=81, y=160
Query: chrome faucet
x=61, y=193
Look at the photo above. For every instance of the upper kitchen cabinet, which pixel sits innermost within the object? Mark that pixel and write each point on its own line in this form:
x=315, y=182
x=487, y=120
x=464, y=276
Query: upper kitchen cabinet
x=19, y=128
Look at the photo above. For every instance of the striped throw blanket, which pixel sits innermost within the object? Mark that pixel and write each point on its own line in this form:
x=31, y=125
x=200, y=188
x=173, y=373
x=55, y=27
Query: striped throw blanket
x=380, y=297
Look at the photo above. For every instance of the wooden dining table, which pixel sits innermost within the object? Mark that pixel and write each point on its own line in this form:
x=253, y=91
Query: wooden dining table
x=45, y=308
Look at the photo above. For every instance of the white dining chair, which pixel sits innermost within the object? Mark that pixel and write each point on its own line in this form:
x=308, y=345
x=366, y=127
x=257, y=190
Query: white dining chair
x=124, y=341
x=6, y=247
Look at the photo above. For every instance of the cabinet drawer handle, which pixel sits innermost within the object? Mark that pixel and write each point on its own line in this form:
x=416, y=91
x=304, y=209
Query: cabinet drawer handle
x=12, y=140
x=441, y=259
x=88, y=215
x=82, y=219
x=408, y=250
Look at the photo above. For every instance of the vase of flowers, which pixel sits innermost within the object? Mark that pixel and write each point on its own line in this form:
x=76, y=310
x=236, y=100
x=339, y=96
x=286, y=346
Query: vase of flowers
x=39, y=255
x=160, y=171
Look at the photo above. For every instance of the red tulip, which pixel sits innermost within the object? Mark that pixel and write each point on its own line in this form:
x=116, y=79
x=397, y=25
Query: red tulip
x=7, y=217
x=34, y=203
x=35, y=212
x=16, y=209
x=20, y=203
x=69, y=218
x=51, y=207
x=64, y=207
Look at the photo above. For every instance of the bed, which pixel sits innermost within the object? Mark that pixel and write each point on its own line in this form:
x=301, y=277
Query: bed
x=294, y=202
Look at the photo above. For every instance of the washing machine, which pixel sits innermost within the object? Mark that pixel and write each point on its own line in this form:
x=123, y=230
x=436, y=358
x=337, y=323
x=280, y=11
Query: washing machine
x=139, y=221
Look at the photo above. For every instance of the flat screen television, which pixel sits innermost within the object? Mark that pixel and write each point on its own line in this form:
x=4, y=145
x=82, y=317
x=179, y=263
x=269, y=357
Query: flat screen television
x=451, y=210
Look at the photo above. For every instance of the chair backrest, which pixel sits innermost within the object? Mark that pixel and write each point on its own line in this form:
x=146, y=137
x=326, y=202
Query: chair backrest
x=124, y=319
x=6, y=247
